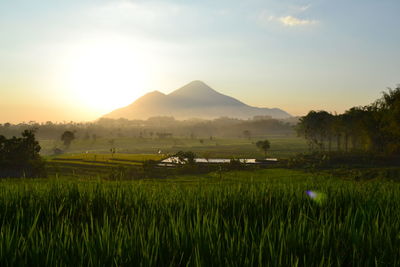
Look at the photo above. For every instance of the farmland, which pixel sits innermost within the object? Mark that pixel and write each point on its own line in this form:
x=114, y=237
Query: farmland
x=241, y=218
x=94, y=164
x=281, y=146
x=99, y=208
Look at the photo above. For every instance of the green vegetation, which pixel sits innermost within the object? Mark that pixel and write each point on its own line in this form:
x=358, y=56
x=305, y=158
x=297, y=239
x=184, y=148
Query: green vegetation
x=93, y=157
x=67, y=137
x=281, y=146
x=103, y=206
x=374, y=128
x=19, y=157
x=264, y=146
x=92, y=165
x=239, y=219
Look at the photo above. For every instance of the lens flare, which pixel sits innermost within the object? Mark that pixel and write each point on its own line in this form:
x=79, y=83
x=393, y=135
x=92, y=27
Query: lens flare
x=318, y=197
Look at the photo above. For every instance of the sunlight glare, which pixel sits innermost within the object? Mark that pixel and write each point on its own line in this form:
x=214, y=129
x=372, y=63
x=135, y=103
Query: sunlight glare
x=105, y=76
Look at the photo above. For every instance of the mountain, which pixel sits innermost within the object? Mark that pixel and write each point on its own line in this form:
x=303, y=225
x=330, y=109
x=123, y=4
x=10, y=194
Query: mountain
x=194, y=100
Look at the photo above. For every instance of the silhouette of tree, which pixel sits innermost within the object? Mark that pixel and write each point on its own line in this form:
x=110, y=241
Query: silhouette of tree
x=374, y=128
x=247, y=134
x=263, y=146
x=20, y=156
x=67, y=137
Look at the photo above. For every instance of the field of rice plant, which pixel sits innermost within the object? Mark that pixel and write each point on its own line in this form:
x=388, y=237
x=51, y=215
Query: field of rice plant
x=259, y=218
x=94, y=164
x=281, y=146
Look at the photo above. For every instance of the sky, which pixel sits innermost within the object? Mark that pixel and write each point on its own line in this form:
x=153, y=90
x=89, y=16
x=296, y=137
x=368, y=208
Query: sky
x=79, y=59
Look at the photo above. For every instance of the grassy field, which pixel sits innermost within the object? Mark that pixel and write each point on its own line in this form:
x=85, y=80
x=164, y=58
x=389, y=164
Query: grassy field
x=95, y=164
x=281, y=146
x=259, y=218
x=92, y=159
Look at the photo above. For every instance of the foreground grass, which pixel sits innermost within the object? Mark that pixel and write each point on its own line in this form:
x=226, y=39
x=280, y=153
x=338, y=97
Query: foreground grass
x=237, y=219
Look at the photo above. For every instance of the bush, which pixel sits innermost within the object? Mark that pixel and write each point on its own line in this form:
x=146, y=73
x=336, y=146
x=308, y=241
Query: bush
x=188, y=156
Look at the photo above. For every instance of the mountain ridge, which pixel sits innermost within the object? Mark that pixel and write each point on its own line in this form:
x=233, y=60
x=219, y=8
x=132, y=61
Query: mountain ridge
x=194, y=100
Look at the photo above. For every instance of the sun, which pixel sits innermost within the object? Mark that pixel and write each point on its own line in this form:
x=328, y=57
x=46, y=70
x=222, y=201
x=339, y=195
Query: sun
x=105, y=75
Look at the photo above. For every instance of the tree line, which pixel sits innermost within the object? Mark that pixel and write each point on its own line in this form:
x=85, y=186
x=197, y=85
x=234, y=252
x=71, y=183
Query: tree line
x=373, y=128
x=155, y=127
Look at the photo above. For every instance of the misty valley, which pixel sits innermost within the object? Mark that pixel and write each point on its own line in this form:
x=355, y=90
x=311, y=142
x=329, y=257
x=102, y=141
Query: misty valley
x=321, y=188
x=199, y=133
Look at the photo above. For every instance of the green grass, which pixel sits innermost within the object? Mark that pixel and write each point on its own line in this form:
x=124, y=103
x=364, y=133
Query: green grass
x=94, y=164
x=131, y=152
x=260, y=218
x=109, y=157
x=281, y=146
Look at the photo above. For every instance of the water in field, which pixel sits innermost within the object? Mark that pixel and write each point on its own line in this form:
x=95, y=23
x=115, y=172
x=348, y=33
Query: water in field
x=177, y=160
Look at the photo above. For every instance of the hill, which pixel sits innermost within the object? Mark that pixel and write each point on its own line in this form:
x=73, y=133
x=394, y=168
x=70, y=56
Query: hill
x=194, y=100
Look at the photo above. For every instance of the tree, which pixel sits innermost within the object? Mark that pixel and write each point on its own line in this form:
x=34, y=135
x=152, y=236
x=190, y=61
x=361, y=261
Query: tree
x=374, y=128
x=187, y=156
x=247, y=134
x=307, y=127
x=389, y=107
x=20, y=156
x=337, y=129
x=263, y=146
x=67, y=137
x=316, y=127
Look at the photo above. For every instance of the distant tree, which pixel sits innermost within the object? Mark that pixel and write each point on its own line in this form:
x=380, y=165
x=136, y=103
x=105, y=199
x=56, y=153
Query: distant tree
x=111, y=142
x=389, y=106
x=374, y=128
x=316, y=127
x=188, y=156
x=247, y=134
x=57, y=151
x=263, y=146
x=86, y=136
x=337, y=131
x=306, y=128
x=112, y=151
x=67, y=137
x=164, y=135
x=207, y=155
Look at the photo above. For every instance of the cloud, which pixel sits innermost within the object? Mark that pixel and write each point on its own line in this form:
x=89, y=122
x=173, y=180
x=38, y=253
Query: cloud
x=293, y=21
x=288, y=18
x=299, y=9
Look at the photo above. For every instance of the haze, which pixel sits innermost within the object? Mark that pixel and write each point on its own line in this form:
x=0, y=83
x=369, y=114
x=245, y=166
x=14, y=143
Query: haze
x=78, y=60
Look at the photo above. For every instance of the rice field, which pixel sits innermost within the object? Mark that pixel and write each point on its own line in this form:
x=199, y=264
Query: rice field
x=281, y=146
x=109, y=157
x=260, y=218
x=95, y=164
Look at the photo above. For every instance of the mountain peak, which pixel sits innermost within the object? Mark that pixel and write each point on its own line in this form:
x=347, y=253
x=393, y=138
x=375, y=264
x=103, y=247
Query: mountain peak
x=155, y=93
x=194, y=100
x=194, y=88
x=197, y=83
x=155, y=96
